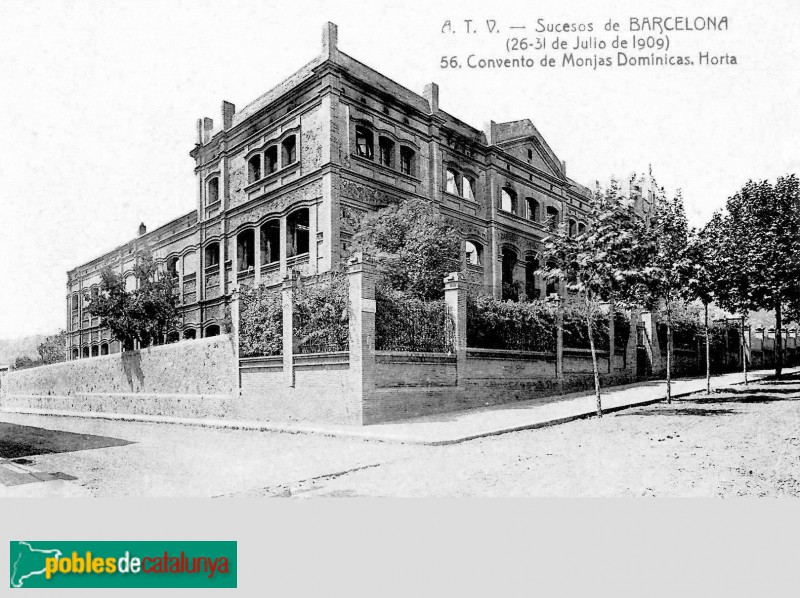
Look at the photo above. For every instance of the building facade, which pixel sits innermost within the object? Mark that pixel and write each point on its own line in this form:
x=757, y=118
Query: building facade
x=282, y=185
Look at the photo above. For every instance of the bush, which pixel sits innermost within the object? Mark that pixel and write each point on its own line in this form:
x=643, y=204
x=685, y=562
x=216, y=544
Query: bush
x=507, y=325
x=687, y=324
x=260, y=322
x=321, y=316
x=576, y=335
x=405, y=323
x=622, y=329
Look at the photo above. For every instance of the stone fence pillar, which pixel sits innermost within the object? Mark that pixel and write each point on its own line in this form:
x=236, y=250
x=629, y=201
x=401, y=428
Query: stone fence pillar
x=631, y=354
x=612, y=348
x=559, y=338
x=651, y=342
x=235, y=324
x=455, y=297
x=361, y=278
x=287, y=303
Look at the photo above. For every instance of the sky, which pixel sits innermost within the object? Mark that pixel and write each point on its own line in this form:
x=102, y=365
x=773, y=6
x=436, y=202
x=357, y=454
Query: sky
x=100, y=101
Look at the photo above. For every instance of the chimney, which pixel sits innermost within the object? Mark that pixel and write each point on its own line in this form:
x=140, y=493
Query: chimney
x=228, y=110
x=208, y=127
x=564, y=167
x=142, y=229
x=490, y=129
x=431, y=94
x=330, y=40
x=199, y=131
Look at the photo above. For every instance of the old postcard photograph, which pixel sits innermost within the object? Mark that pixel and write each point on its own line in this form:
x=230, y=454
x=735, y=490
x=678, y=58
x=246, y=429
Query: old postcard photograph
x=447, y=250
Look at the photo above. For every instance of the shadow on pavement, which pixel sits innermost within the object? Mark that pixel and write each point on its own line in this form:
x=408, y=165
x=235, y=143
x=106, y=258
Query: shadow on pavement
x=24, y=441
x=696, y=411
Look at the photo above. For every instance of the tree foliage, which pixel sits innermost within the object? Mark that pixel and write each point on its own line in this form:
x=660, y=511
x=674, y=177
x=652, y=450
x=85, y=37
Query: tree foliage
x=756, y=264
x=607, y=262
x=146, y=313
x=412, y=245
x=53, y=349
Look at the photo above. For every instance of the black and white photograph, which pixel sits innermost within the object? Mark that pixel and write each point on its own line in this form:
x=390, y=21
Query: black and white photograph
x=453, y=250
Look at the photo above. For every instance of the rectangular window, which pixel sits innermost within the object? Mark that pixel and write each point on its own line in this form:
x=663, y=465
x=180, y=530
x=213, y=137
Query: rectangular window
x=468, y=188
x=406, y=158
x=386, y=149
x=452, y=184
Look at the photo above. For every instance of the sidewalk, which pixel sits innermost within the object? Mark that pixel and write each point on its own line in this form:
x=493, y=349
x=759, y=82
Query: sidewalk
x=454, y=427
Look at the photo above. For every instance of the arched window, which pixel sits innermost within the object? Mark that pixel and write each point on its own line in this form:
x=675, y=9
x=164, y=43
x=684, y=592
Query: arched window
x=581, y=228
x=533, y=209
x=406, y=160
x=254, y=168
x=468, y=187
x=297, y=233
x=364, y=143
x=385, y=151
x=552, y=217
x=212, y=330
x=172, y=267
x=75, y=302
x=213, y=191
x=531, y=266
x=270, y=242
x=572, y=227
x=473, y=251
x=509, y=290
x=75, y=354
x=173, y=336
x=245, y=250
x=104, y=349
x=212, y=255
x=85, y=352
x=190, y=334
x=508, y=200
x=289, y=150
x=452, y=181
x=271, y=159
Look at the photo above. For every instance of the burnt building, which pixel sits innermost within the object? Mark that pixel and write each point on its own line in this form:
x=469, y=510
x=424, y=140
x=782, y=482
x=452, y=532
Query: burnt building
x=282, y=183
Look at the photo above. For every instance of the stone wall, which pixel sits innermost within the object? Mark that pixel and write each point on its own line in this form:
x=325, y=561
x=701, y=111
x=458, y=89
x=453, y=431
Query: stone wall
x=204, y=367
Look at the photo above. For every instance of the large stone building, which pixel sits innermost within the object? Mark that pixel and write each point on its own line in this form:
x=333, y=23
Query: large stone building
x=281, y=186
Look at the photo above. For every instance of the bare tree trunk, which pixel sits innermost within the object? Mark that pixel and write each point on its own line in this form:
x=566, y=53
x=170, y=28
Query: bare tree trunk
x=778, y=340
x=669, y=351
x=708, y=352
x=594, y=355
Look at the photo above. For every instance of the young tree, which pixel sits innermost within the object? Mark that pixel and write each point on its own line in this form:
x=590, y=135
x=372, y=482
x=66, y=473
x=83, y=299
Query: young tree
x=605, y=263
x=667, y=275
x=146, y=313
x=699, y=282
x=413, y=246
x=775, y=222
x=758, y=256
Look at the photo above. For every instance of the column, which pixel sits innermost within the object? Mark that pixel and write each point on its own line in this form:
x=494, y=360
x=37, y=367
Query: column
x=653, y=348
x=559, y=339
x=287, y=296
x=312, y=239
x=257, y=258
x=282, y=247
x=455, y=297
x=235, y=311
x=611, y=338
x=361, y=278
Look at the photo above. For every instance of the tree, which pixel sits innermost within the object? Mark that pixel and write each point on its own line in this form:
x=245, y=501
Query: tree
x=699, y=283
x=413, y=246
x=669, y=268
x=54, y=348
x=146, y=313
x=757, y=261
x=607, y=262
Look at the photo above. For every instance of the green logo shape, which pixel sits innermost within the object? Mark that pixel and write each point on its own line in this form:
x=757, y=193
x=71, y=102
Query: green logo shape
x=134, y=564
